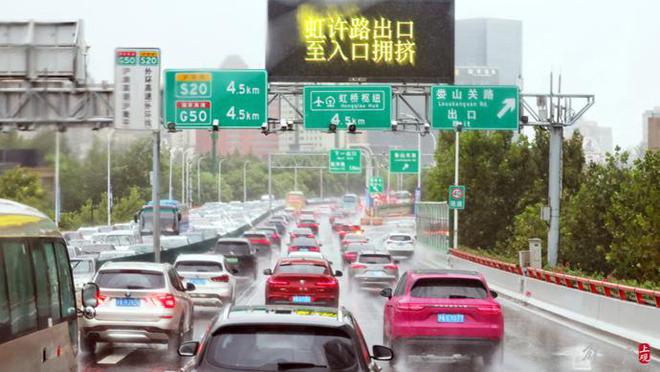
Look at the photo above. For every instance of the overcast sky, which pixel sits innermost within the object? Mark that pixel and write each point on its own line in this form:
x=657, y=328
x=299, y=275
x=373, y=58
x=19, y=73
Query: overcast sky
x=605, y=47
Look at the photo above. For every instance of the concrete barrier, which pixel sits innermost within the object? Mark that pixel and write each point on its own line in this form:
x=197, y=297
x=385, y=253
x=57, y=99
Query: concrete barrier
x=625, y=319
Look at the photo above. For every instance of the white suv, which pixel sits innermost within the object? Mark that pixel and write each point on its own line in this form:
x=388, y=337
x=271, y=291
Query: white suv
x=400, y=245
x=139, y=302
x=214, y=283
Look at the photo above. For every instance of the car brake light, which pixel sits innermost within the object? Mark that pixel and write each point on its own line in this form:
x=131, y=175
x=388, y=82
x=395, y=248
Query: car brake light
x=222, y=278
x=409, y=307
x=489, y=309
x=165, y=300
x=275, y=281
x=293, y=248
x=100, y=298
x=327, y=283
x=391, y=267
x=357, y=266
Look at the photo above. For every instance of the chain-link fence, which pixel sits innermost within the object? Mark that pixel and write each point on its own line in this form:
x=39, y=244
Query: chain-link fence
x=433, y=224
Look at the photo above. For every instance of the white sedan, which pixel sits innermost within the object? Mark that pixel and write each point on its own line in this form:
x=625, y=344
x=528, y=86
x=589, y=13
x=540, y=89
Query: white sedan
x=214, y=284
x=400, y=245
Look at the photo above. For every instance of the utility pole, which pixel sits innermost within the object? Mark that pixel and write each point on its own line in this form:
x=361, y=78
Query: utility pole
x=554, y=111
x=214, y=145
x=458, y=129
x=199, y=188
x=245, y=180
x=109, y=185
x=57, y=177
x=270, y=183
x=220, y=180
x=321, y=183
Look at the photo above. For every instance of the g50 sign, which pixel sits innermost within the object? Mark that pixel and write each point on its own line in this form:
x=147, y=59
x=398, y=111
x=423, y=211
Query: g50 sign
x=352, y=40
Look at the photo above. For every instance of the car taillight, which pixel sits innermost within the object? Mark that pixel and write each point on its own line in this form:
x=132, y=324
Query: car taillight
x=357, y=266
x=314, y=249
x=489, y=309
x=165, y=300
x=220, y=279
x=293, y=248
x=311, y=236
x=275, y=237
x=100, y=298
x=331, y=282
x=275, y=281
x=391, y=267
x=409, y=307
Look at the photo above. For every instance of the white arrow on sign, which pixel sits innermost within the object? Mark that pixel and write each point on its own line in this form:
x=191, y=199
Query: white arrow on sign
x=509, y=106
x=406, y=166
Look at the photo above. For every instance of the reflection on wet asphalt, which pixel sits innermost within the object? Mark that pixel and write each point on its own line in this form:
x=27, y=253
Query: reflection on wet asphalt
x=534, y=341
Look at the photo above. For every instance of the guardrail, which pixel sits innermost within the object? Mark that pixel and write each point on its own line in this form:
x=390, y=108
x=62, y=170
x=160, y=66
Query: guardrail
x=623, y=292
x=505, y=266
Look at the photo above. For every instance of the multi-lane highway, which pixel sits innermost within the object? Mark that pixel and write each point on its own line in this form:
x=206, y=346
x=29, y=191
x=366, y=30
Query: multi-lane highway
x=534, y=339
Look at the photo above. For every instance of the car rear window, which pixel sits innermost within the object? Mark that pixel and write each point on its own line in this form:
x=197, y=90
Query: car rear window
x=282, y=347
x=254, y=235
x=307, y=221
x=232, y=249
x=354, y=237
x=448, y=288
x=302, y=269
x=375, y=259
x=130, y=279
x=400, y=238
x=303, y=241
x=198, y=266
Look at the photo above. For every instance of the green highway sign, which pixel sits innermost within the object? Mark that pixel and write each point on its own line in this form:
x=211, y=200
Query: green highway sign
x=404, y=161
x=345, y=161
x=456, y=199
x=365, y=106
x=195, y=99
x=375, y=185
x=475, y=107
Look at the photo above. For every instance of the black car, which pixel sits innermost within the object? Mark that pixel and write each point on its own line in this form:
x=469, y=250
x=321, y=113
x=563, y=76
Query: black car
x=279, y=225
x=283, y=338
x=239, y=254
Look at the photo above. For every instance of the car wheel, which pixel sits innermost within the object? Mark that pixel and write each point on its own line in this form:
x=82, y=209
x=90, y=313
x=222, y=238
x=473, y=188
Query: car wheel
x=87, y=344
x=175, y=340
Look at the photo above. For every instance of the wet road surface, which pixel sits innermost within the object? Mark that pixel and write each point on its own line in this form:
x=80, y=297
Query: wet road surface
x=534, y=340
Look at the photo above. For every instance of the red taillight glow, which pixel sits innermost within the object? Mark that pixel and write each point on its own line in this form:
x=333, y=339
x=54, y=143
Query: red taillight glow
x=275, y=281
x=165, y=300
x=391, y=267
x=293, y=248
x=327, y=283
x=220, y=279
x=100, y=298
x=357, y=266
x=489, y=309
x=409, y=307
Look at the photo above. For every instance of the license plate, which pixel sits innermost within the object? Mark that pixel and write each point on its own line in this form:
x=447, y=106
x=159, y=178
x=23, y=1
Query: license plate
x=303, y=249
x=378, y=273
x=451, y=318
x=198, y=281
x=127, y=302
x=302, y=299
x=232, y=260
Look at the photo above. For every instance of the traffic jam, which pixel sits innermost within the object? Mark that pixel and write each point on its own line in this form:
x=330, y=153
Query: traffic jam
x=291, y=293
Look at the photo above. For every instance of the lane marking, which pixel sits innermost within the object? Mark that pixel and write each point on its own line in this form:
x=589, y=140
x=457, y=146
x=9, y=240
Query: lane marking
x=116, y=356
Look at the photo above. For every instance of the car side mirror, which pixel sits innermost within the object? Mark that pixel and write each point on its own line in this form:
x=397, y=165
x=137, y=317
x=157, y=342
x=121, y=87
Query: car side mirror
x=338, y=273
x=190, y=287
x=386, y=292
x=380, y=352
x=234, y=271
x=89, y=295
x=268, y=272
x=178, y=216
x=189, y=349
x=493, y=294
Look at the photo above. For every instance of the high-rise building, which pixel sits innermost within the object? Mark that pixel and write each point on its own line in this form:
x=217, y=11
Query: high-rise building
x=597, y=139
x=651, y=129
x=490, y=43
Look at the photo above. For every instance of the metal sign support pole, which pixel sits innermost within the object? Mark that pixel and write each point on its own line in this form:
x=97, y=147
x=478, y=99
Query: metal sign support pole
x=57, y=178
x=554, y=190
x=270, y=183
x=456, y=164
x=155, y=194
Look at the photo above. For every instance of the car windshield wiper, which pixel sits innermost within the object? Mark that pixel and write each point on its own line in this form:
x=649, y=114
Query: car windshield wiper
x=460, y=296
x=285, y=366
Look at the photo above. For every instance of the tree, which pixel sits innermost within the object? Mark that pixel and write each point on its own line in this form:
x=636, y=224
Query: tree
x=23, y=186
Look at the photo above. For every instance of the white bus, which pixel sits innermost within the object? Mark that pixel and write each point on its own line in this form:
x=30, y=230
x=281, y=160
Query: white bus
x=38, y=321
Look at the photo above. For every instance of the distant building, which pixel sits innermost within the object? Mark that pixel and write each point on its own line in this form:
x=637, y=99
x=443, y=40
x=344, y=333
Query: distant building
x=476, y=75
x=597, y=139
x=489, y=43
x=651, y=129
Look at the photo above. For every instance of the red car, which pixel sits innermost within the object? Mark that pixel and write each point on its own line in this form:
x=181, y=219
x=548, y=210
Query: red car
x=309, y=223
x=351, y=250
x=260, y=240
x=353, y=238
x=302, y=281
x=304, y=244
x=346, y=229
x=444, y=312
x=301, y=231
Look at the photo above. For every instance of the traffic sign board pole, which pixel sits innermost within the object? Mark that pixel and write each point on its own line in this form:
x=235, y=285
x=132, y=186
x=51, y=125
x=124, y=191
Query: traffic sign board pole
x=456, y=159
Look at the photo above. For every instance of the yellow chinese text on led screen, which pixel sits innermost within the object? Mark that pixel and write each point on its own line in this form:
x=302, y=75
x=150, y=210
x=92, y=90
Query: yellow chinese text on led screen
x=353, y=38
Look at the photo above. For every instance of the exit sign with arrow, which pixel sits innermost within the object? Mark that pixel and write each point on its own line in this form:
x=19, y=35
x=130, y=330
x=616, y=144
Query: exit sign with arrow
x=475, y=107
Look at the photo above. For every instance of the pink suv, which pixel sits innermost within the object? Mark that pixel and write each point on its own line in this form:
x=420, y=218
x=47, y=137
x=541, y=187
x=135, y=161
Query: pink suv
x=444, y=312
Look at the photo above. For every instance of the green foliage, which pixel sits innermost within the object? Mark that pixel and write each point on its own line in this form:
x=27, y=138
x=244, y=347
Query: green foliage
x=23, y=186
x=527, y=224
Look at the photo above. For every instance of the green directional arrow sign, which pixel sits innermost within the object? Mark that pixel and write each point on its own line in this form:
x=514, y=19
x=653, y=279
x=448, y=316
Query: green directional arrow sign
x=345, y=161
x=404, y=161
x=375, y=185
x=194, y=99
x=456, y=198
x=366, y=106
x=475, y=107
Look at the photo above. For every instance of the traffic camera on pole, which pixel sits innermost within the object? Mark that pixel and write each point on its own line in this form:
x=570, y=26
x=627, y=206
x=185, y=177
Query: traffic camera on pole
x=395, y=125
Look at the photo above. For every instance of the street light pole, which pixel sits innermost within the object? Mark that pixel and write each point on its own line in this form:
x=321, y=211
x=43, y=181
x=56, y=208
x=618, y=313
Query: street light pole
x=220, y=180
x=456, y=164
x=171, y=188
x=57, y=177
x=270, y=183
x=245, y=180
x=109, y=185
x=199, y=188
